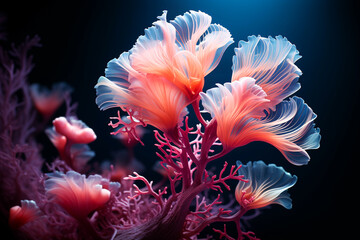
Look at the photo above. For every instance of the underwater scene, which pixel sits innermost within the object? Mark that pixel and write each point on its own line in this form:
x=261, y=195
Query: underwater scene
x=172, y=120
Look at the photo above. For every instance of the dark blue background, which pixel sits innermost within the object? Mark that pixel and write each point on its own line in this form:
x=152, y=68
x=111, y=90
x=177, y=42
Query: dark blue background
x=80, y=38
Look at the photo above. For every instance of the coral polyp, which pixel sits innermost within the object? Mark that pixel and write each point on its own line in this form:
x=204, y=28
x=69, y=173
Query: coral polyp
x=159, y=82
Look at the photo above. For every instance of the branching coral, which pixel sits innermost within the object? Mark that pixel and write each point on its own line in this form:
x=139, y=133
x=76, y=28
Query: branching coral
x=155, y=83
x=20, y=160
x=251, y=108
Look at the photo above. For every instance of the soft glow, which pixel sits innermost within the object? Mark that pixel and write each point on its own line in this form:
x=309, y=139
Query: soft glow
x=78, y=195
x=19, y=216
x=267, y=184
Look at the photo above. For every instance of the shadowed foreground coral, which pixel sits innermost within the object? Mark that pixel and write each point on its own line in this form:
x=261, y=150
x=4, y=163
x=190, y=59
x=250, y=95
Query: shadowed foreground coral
x=155, y=83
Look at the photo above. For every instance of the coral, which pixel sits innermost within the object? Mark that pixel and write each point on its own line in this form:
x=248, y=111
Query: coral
x=236, y=106
x=70, y=137
x=20, y=159
x=19, y=216
x=78, y=195
x=155, y=83
x=267, y=184
x=48, y=101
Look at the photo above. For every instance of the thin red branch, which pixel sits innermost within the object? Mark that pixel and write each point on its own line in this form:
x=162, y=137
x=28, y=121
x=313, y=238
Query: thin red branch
x=127, y=127
x=150, y=191
x=215, y=183
x=169, y=152
x=223, y=233
x=186, y=143
x=196, y=107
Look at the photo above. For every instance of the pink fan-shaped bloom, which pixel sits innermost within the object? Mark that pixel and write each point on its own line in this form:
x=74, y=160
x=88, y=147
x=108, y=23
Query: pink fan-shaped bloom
x=19, y=216
x=236, y=107
x=48, y=101
x=74, y=130
x=152, y=100
x=183, y=51
x=164, y=71
x=78, y=195
x=271, y=62
x=267, y=184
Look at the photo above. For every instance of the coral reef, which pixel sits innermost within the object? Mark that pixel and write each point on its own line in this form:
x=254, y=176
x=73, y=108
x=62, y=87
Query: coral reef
x=155, y=83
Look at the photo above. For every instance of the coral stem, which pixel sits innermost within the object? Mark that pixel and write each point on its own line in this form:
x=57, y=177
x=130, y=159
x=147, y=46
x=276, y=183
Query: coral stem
x=208, y=140
x=196, y=107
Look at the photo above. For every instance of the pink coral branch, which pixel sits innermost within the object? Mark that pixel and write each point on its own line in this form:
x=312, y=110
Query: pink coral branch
x=196, y=145
x=138, y=191
x=127, y=127
x=214, y=183
x=208, y=217
x=173, y=181
x=223, y=233
x=203, y=210
x=169, y=151
x=197, y=142
x=219, y=217
x=249, y=235
x=198, y=130
x=186, y=142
